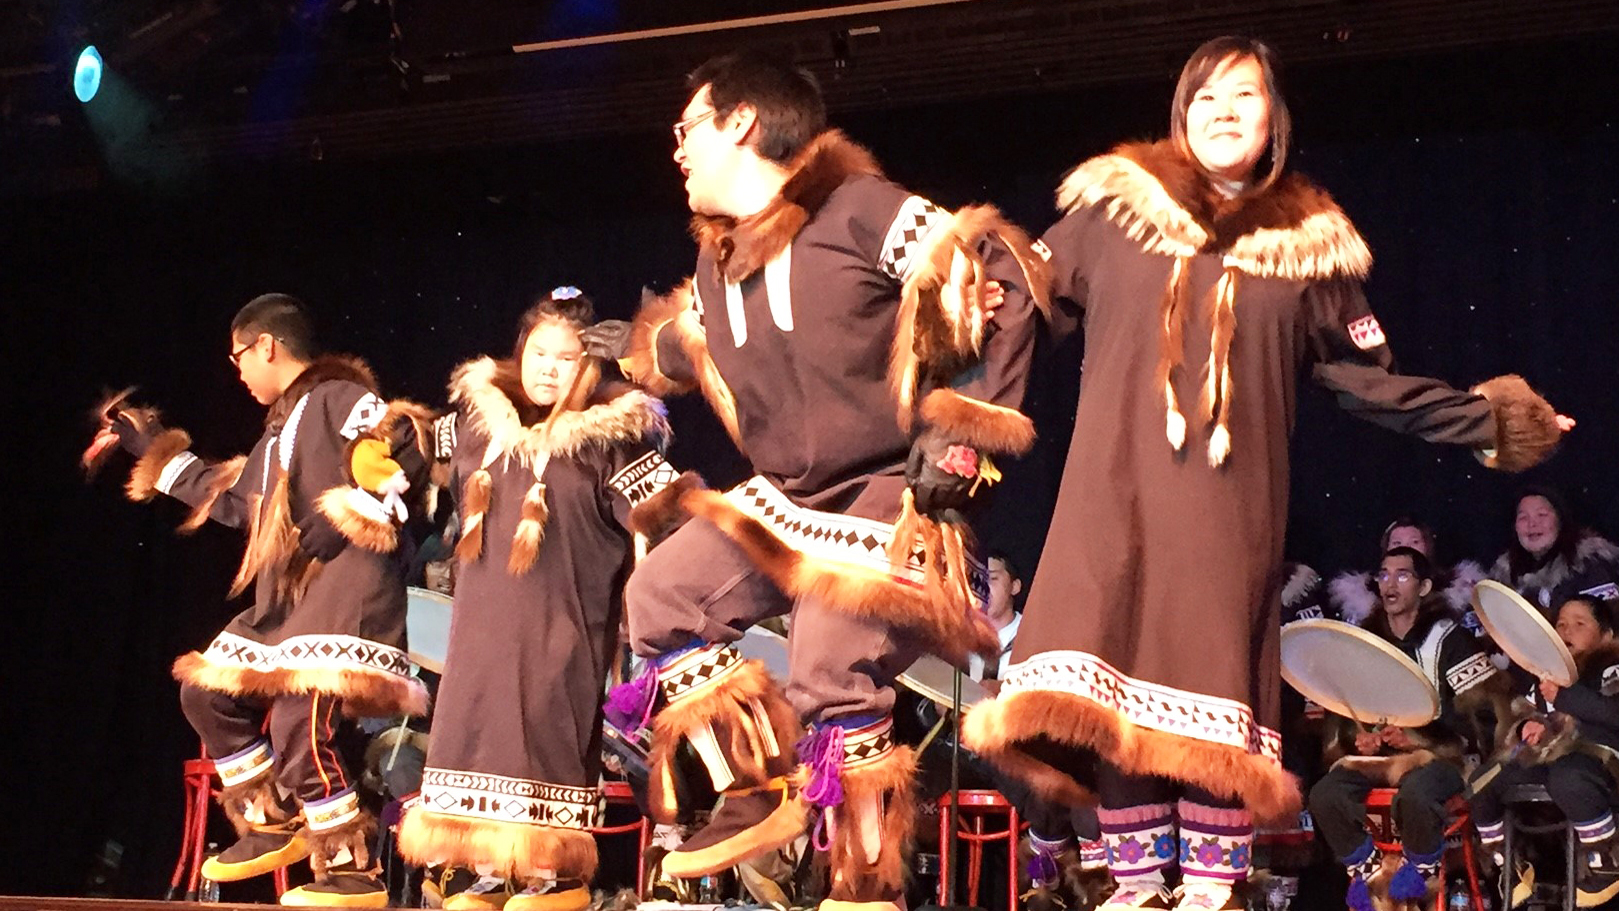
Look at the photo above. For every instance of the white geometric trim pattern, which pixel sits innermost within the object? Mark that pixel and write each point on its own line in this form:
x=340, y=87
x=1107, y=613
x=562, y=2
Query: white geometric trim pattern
x=916, y=218
x=172, y=470
x=869, y=744
x=503, y=799
x=827, y=535
x=289, y=434
x=365, y=415
x=1149, y=705
x=643, y=477
x=308, y=653
x=246, y=764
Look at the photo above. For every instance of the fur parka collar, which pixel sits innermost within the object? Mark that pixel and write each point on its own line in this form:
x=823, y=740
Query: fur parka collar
x=322, y=369
x=489, y=390
x=741, y=247
x=1291, y=230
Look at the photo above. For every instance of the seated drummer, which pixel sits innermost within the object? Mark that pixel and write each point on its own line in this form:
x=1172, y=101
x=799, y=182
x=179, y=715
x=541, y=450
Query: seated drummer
x=1425, y=763
x=1569, y=752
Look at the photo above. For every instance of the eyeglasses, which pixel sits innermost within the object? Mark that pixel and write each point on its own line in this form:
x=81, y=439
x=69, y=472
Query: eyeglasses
x=684, y=126
x=236, y=356
x=1400, y=575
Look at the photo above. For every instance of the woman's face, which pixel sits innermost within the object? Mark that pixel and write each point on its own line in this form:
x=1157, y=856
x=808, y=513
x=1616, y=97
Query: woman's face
x=1409, y=536
x=550, y=360
x=1228, y=120
x=1537, y=525
x=1579, y=630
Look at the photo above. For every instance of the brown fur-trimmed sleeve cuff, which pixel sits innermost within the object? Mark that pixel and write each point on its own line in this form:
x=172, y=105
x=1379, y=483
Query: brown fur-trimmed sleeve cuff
x=1526, y=430
x=642, y=362
x=148, y=470
x=360, y=517
x=982, y=425
x=659, y=515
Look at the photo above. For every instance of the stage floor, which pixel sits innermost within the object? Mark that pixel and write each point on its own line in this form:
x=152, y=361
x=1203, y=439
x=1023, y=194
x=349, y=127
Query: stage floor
x=45, y=903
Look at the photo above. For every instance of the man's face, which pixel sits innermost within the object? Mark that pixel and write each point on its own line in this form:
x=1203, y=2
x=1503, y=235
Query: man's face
x=252, y=354
x=1400, y=586
x=1003, y=588
x=705, y=153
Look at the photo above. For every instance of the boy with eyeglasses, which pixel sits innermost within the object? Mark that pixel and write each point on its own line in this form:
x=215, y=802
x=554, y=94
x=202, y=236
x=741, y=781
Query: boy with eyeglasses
x=1423, y=764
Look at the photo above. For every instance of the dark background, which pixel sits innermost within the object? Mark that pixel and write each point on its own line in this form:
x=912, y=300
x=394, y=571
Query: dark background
x=1484, y=180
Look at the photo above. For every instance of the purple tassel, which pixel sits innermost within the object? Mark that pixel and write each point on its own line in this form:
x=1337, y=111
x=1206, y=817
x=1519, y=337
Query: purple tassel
x=821, y=752
x=1359, y=898
x=1041, y=869
x=1408, y=884
x=629, y=705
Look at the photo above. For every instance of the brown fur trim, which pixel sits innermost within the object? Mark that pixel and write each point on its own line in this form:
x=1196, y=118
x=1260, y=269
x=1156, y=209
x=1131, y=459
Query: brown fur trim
x=1387, y=770
x=1292, y=230
x=640, y=362
x=272, y=540
x=741, y=247
x=1526, y=431
x=982, y=425
x=328, y=368
x=356, y=836
x=530, y=530
x=225, y=476
x=475, y=496
x=365, y=694
x=513, y=849
x=339, y=506
x=994, y=729
x=1489, y=698
x=621, y=414
x=891, y=780
x=660, y=514
x=143, y=477
x=724, y=702
x=953, y=629
x=235, y=799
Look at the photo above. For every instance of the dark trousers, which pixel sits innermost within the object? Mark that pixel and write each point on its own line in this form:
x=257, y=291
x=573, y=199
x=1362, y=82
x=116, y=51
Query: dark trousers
x=1578, y=784
x=300, y=728
x=1338, y=803
x=698, y=587
x=1119, y=791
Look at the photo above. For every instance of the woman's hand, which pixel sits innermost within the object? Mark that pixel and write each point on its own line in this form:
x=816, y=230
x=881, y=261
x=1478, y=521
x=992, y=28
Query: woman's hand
x=1531, y=732
x=1549, y=691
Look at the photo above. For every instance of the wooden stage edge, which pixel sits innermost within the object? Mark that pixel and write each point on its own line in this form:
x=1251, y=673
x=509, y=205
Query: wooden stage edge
x=52, y=903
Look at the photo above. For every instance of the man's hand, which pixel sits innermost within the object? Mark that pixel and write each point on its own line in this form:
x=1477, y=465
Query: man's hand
x=941, y=474
x=320, y=539
x=608, y=339
x=994, y=297
x=132, y=439
x=1368, y=743
x=1549, y=691
x=1397, y=738
x=1532, y=731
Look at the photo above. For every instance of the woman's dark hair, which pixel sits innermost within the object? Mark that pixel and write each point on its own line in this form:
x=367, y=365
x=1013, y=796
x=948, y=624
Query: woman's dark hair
x=1521, y=562
x=567, y=304
x=1600, y=611
x=1409, y=522
x=786, y=97
x=1204, y=63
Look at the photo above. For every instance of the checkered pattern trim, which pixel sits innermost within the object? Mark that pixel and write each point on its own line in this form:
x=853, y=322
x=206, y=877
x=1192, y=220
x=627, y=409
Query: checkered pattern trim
x=444, y=438
x=245, y=765
x=1150, y=705
x=364, y=416
x=308, y=653
x=697, y=670
x=643, y=477
x=827, y=535
x=916, y=219
x=331, y=812
x=867, y=745
x=502, y=799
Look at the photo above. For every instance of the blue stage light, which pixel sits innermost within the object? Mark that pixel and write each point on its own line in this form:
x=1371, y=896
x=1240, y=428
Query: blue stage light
x=87, y=74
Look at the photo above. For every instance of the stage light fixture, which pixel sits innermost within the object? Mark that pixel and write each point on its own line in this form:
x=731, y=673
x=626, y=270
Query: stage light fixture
x=87, y=74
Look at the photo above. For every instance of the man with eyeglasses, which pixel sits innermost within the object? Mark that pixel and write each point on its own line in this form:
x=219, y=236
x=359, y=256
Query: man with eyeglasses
x=837, y=323
x=1424, y=764
x=321, y=497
